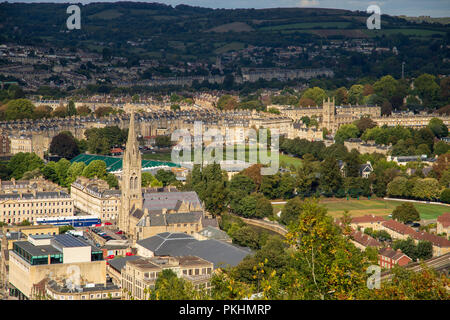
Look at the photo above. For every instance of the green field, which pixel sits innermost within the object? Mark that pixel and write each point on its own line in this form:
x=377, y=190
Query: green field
x=376, y=207
x=166, y=156
x=407, y=32
x=307, y=25
x=285, y=160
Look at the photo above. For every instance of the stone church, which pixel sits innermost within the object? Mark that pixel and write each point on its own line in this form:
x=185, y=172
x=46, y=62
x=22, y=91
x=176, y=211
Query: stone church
x=145, y=214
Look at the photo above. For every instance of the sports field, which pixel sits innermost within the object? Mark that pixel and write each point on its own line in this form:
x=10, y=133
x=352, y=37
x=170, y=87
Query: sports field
x=376, y=207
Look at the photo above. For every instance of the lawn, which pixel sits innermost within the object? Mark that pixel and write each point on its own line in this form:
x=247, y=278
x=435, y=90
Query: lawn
x=285, y=160
x=407, y=32
x=375, y=206
x=307, y=25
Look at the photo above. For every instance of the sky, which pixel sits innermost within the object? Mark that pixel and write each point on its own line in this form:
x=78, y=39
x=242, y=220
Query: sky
x=433, y=8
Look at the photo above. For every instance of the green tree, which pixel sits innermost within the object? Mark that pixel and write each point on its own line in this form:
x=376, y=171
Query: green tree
x=19, y=109
x=355, y=94
x=445, y=196
x=406, y=212
x=330, y=176
x=438, y=127
x=346, y=132
x=427, y=189
x=23, y=162
x=75, y=170
x=291, y=211
x=316, y=94
x=166, y=177
x=112, y=181
x=427, y=88
x=71, y=110
x=97, y=168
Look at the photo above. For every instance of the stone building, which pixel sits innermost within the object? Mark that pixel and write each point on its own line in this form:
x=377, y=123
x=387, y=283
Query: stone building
x=17, y=207
x=94, y=196
x=143, y=214
x=140, y=275
x=57, y=257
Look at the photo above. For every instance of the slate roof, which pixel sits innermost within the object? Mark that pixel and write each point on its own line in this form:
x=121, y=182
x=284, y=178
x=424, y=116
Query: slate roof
x=169, y=200
x=119, y=263
x=179, y=244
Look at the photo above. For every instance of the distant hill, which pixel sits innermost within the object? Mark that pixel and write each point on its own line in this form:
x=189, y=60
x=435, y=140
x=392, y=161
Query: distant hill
x=426, y=19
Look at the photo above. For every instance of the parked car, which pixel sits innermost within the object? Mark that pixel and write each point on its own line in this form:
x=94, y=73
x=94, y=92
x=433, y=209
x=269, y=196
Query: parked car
x=128, y=254
x=111, y=256
x=119, y=232
x=108, y=223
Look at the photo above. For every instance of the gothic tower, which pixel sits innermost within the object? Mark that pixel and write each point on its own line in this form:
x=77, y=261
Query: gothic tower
x=131, y=179
x=329, y=113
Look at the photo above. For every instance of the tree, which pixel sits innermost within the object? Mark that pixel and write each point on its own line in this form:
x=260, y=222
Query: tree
x=242, y=184
x=355, y=94
x=438, y=127
x=407, y=247
x=424, y=250
x=103, y=111
x=326, y=264
x=318, y=95
x=75, y=170
x=65, y=146
x=330, y=176
x=291, y=211
x=341, y=96
x=166, y=177
x=263, y=206
x=306, y=102
x=19, y=109
x=97, y=168
x=386, y=87
x=227, y=102
x=246, y=237
x=345, y=132
x=364, y=123
x=71, y=110
x=61, y=168
x=427, y=88
x=254, y=173
x=43, y=111
x=427, y=189
x=405, y=212
x=49, y=171
x=83, y=110
x=398, y=187
x=60, y=112
x=445, y=196
x=23, y=162
x=112, y=181
x=169, y=287
x=441, y=147
x=163, y=141
x=409, y=285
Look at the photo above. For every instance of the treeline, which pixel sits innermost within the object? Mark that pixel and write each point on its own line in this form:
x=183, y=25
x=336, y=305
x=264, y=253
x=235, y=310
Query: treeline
x=18, y=109
x=426, y=92
x=404, y=141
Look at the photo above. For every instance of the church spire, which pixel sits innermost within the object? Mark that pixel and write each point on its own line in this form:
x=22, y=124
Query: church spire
x=131, y=179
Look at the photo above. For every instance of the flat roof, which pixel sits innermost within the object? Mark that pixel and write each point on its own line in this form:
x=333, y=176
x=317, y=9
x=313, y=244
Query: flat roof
x=33, y=250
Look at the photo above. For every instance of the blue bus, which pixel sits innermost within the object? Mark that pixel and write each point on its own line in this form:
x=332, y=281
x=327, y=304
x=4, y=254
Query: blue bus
x=74, y=221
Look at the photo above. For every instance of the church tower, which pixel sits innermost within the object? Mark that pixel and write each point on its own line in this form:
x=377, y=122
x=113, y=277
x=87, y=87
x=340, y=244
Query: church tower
x=329, y=115
x=131, y=179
